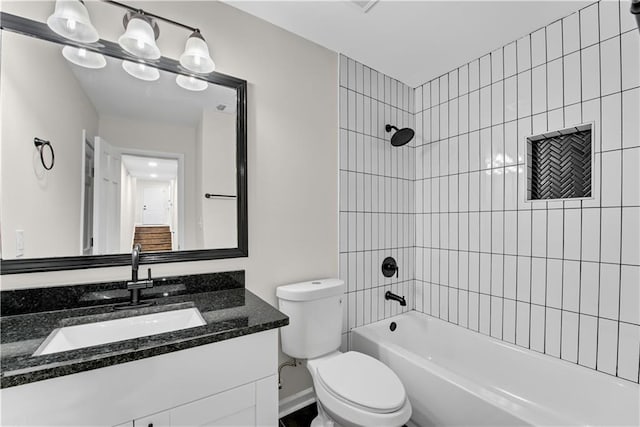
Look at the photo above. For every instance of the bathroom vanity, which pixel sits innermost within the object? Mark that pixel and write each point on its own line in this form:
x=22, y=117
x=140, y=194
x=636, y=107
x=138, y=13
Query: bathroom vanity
x=221, y=373
x=205, y=351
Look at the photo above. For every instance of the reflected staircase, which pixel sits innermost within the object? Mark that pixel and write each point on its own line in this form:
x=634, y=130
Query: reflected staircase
x=153, y=238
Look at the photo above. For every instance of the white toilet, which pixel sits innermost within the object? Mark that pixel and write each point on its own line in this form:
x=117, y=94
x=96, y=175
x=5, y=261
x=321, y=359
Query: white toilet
x=352, y=389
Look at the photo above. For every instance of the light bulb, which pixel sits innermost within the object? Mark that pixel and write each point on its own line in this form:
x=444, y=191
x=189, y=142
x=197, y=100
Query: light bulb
x=83, y=57
x=70, y=19
x=196, y=57
x=191, y=83
x=139, y=37
x=141, y=71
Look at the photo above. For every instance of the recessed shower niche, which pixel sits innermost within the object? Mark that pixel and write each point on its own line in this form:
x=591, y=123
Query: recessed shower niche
x=559, y=164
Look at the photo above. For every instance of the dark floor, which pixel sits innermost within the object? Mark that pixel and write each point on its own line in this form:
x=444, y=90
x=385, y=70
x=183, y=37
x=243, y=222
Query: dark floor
x=301, y=418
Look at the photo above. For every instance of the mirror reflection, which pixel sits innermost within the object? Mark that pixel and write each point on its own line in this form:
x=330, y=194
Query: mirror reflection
x=135, y=151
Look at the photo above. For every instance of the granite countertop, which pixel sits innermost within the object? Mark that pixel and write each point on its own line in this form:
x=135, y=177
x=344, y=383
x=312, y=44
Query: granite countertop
x=229, y=312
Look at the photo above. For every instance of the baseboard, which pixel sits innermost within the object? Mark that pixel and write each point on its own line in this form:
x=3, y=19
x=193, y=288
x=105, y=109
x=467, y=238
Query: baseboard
x=296, y=401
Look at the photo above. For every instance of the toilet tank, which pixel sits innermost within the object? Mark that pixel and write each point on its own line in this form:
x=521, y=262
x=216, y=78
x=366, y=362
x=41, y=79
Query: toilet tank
x=315, y=317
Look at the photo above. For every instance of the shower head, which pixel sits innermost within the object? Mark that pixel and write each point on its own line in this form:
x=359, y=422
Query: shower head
x=635, y=10
x=401, y=137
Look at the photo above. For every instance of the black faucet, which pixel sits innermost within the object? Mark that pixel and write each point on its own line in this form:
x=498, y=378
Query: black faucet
x=390, y=295
x=135, y=285
x=135, y=261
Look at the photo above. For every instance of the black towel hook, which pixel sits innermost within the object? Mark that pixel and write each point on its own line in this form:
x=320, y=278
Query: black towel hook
x=40, y=144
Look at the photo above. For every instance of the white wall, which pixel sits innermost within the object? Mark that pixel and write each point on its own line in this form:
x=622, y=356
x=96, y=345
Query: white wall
x=199, y=188
x=560, y=278
x=292, y=91
x=127, y=210
x=46, y=198
x=218, y=217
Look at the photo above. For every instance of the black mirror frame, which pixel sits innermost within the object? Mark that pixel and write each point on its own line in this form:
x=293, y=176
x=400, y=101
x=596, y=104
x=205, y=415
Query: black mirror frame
x=40, y=30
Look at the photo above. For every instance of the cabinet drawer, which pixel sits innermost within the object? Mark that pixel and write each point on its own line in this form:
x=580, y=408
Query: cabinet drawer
x=216, y=408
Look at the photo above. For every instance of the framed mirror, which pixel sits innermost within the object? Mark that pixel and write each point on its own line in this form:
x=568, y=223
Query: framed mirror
x=99, y=156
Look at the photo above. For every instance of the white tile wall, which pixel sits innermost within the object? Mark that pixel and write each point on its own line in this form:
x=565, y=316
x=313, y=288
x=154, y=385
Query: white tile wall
x=562, y=278
x=377, y=192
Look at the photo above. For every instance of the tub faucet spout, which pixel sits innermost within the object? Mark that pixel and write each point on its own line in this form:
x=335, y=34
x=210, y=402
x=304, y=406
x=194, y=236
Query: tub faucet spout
x=390, y=295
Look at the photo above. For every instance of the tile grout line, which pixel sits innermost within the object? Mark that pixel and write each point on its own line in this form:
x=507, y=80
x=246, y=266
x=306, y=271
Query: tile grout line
x=600, y=185
x=622, y=182
x=546, y=204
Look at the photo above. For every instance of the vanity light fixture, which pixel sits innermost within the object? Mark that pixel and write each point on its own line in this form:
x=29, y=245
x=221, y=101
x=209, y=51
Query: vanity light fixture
x=191, y=83
x=71, y=20
x=141, y=71
x=196, y=55
x=140, y=36
x=83, y=57
x=153, y=164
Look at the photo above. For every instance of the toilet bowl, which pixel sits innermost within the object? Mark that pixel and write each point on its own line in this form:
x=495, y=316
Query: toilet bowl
x=352, y=389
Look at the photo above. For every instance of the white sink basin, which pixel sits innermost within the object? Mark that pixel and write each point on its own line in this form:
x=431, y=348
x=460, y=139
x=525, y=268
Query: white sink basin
x=79, y=336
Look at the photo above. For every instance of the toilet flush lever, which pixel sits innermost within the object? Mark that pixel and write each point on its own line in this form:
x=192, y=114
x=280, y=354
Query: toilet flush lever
x=390, y=267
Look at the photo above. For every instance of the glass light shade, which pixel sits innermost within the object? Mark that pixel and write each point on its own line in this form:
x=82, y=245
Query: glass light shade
x=196, y=55
x=141, y=71
x=191, y=83
x=83, y=57
x=71, y=20
x=139, y=39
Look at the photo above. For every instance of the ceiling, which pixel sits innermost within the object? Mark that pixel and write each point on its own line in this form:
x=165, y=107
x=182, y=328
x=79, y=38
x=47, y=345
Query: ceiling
x=114, y=92
x=151, y=168
x=412, y=41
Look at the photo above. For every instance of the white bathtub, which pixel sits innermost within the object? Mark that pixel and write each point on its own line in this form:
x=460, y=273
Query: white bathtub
x=457, y=377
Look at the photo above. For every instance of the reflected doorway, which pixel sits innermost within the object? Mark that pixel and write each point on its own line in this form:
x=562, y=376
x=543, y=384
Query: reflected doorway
x=150, y=202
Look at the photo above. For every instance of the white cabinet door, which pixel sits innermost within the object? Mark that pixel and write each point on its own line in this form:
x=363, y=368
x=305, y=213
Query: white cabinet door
x=267, y=401
x=219, y=409
x=243, y=418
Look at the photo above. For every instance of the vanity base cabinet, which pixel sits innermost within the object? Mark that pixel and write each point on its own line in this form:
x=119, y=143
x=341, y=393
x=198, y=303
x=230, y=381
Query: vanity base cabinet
x=247, y=405
x=231, y=382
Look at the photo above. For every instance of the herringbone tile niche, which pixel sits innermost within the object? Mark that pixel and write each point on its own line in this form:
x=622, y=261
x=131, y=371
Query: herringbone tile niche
x=559, y=164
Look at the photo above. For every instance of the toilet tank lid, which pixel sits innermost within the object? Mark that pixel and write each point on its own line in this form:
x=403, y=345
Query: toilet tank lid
x=312, y=290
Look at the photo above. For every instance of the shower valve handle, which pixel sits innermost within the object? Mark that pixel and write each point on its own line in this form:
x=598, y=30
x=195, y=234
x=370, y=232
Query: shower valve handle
x=393, y=267
x=390, y=267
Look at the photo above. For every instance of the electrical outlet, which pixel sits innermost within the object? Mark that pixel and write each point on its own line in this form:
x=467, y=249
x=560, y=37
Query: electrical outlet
x=19, y=243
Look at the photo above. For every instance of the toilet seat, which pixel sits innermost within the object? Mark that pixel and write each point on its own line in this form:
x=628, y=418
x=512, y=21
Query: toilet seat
x=371, y=385
x=361, y=400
